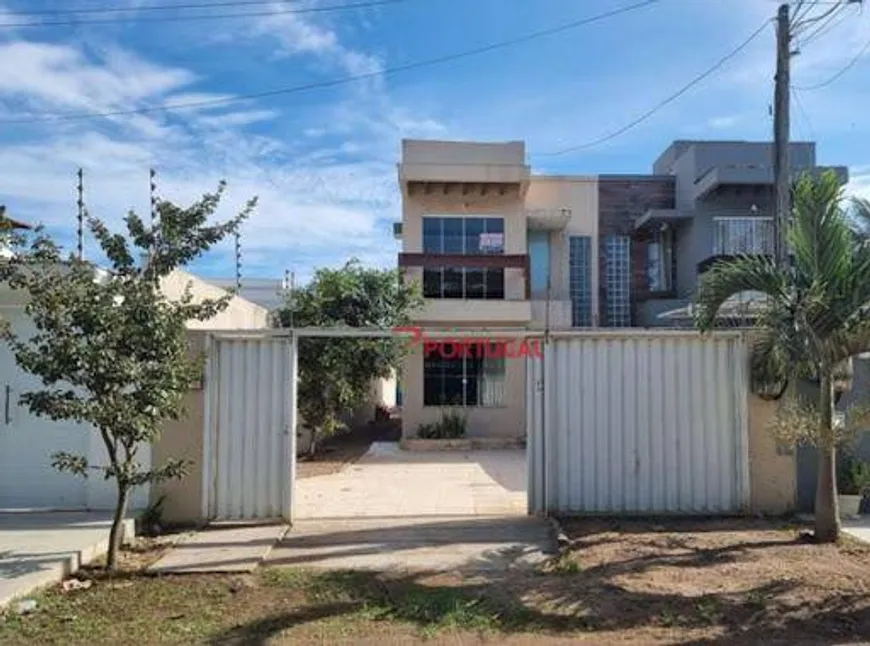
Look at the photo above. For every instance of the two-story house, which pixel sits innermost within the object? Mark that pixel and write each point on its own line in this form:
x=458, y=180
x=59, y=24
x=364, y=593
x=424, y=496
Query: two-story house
x=724, y=206
x=492, y=244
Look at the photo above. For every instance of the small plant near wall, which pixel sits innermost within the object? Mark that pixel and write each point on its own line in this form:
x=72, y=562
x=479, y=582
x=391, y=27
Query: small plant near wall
x=853, y=477
x=451, y=426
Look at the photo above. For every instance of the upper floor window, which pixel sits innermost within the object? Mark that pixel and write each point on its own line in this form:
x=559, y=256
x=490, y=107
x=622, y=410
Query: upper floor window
x=660, y=261
x=463, y=236
x=539, y=261
x=751, y=235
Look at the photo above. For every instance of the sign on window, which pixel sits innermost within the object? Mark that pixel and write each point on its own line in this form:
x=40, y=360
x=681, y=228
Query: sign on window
x=491, y=242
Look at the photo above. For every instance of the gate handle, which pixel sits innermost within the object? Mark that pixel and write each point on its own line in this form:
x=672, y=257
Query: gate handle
x=6, y=411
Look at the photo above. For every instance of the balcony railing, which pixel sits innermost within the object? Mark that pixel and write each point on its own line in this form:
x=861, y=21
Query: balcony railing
x=742, y=235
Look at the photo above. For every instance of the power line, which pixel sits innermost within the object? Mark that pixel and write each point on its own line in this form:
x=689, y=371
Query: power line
x=846, y=68
x=803, y=112
x=208, y=16
x=833, y=21
x=829, y=20
x=661, y=104
x=339, y=81
x=151, y=7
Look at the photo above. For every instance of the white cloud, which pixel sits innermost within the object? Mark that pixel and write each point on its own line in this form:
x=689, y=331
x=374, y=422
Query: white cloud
x=327, y=188
x=310, y=211
x=60, y=76
x=723, y=122
x=859, y=182
x=239, y=118
x=297, y=34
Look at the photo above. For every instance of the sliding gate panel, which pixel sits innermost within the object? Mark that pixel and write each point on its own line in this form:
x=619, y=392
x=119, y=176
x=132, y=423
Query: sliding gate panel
x=638, y=422
x=249, y=445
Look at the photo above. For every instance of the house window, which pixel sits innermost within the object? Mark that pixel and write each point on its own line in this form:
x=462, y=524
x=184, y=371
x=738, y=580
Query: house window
x=660, y=260
x=580, y=285
x=734, y=236
x=617, y=280
x=463, y=236
x=450, y=379
x=539, y=262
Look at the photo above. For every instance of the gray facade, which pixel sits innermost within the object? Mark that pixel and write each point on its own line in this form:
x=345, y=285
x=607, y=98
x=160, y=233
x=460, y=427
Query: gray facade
x=723, y=204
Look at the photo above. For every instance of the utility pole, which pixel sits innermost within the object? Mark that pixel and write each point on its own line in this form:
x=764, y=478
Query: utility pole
x=781, y=99
x=238, y=249
x=80, y=217
x=152, y=198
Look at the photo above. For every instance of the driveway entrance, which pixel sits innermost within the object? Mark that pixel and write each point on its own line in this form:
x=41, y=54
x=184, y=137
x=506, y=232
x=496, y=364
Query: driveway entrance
x=407, y=510
x=390, y=482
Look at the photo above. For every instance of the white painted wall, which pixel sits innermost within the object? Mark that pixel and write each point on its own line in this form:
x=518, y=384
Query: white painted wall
x=580, y=195
x=239, y=314
x=27, y=442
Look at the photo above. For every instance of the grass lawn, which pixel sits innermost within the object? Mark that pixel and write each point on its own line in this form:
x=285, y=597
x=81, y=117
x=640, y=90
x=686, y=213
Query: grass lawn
x=628, y=582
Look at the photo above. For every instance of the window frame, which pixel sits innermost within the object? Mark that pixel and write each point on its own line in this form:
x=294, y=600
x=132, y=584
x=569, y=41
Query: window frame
x=487, y=224
x=660, y=271
x=468, y=375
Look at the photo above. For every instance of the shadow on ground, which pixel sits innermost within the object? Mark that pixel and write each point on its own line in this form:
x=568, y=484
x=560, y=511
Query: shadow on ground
x=618, y=598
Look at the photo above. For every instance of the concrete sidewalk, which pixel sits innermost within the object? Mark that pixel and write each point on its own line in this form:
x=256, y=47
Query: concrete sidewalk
x=39, y=549
x=858, y=528
x=424, y=543
x=221, y=548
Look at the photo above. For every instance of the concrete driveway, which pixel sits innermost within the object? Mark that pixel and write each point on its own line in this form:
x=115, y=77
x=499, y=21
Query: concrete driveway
x=38, y=549
x=391, y=510
x=390, y=482
x=405, y=510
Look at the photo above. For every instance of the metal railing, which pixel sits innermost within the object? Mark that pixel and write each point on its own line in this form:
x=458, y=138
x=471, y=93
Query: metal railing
x=739, y=235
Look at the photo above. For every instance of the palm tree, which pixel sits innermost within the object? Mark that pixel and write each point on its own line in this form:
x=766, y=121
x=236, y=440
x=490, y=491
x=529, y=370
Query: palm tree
x=815, y=314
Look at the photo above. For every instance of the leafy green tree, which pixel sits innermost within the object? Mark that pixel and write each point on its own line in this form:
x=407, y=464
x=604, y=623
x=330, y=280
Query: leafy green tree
x=111, y=350
x=815, y=317
x=335, y=373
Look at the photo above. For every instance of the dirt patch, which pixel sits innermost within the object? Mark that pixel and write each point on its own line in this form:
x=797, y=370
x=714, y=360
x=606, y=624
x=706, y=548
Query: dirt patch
x=137, y=555
x=339, y=451
x=626, y=582
x=733, y=579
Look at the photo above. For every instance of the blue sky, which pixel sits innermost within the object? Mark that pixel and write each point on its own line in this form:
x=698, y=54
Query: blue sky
x=323, y=162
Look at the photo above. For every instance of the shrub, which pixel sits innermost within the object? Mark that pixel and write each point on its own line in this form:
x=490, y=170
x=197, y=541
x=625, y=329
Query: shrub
x=853, y=477
x=452, y=425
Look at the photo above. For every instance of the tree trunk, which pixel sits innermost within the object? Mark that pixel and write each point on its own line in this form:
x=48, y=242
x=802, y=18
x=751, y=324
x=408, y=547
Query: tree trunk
x=312, y=446
x=827, y=513
x=116, y=534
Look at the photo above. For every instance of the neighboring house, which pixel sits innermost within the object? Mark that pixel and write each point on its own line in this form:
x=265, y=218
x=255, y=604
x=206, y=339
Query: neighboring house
x=266, y=292
x=723, y=206
x=492, y=243
x=27, y=479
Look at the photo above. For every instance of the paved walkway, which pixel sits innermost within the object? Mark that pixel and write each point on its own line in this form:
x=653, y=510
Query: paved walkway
x=858, y=528
x=221, y=548
x=389, y=482
x=424, y=543
x=38, y=549
x=392, y=509
x=415, y=510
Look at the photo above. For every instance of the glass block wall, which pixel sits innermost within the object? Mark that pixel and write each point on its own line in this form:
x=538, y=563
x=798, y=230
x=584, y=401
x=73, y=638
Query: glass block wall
x=617, y=280
x=580, y=284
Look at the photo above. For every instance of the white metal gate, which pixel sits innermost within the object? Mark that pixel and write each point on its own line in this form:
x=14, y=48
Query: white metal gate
x=250, y=427
x=638, y=421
